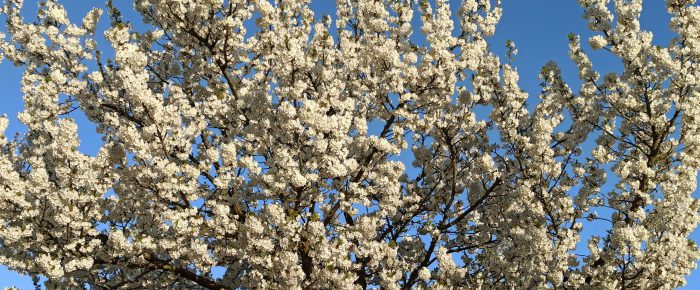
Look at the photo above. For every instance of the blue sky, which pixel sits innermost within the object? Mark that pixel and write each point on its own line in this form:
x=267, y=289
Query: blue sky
x=539, y=28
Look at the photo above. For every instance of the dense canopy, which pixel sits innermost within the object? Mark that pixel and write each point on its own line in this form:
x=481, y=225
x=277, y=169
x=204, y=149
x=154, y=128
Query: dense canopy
x=253, y=139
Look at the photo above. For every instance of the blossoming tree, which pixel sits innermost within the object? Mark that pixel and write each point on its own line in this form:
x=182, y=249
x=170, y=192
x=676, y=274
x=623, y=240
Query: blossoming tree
x=249, y=148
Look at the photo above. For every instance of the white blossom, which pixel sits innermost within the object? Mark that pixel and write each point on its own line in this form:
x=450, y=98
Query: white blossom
x=598, y=42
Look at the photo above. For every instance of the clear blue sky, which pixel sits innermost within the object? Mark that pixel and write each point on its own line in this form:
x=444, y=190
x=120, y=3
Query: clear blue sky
x=538, y=27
